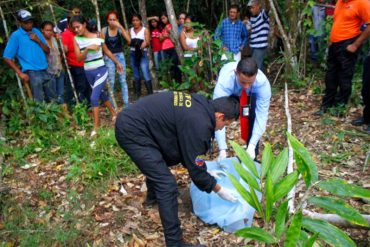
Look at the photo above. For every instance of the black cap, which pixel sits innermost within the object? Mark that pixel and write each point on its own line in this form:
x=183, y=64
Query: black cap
x=24, y=15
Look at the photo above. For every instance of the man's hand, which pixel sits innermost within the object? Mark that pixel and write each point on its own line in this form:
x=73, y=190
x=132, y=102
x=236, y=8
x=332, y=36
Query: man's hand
x=251, y=150
x=34, y=37
x=216, y=174
x=24, y=77
x=222, y=155
x=227, y=195
x=352, y=48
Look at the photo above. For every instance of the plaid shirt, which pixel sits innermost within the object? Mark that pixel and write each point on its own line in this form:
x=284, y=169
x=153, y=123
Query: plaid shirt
x=234, y=35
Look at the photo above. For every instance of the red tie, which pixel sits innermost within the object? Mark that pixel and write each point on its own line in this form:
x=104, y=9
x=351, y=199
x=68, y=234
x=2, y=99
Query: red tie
x=244, y=119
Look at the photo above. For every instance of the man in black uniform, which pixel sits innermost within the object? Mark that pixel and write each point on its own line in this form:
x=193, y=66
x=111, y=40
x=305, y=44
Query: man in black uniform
x=165, y=129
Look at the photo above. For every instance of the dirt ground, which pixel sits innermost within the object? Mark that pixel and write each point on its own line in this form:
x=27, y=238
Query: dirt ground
x=114, y=217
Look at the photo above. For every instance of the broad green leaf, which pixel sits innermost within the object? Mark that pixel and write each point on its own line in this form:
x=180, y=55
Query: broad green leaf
x=340, y=187
x=280, y=219
x=311, y=241
x=246, y=176
x=255, y=200
x=279, y=165
x=269, y=197
x=301, y=151
x=294, y=230
x=340, y=208
x=245, y=158
x=242, y=191
x=327, y=232
x=267, y=159
x=257, y=234
x=303, y=169
x=285, y=185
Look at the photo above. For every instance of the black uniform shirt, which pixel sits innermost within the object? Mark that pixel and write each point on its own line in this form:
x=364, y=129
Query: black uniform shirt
x=180, y=125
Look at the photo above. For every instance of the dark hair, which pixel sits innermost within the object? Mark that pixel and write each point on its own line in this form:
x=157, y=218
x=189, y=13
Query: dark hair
x=110, y=13
x=163, y=14
x=45, y=23
x=159, y=25
x=247, y=66
x=137, y=16
x=228, y=105
x=235, y=6
x=82, y=20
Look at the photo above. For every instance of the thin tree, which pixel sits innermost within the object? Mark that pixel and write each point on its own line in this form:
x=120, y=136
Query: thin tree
x=174, y=33
x=123, y=14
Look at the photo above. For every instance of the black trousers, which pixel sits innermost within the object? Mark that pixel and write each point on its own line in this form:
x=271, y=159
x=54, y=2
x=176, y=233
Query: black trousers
x=338, y=80
x=365, y=92
x=148, y=158
x=82, y=86
x=175, y=71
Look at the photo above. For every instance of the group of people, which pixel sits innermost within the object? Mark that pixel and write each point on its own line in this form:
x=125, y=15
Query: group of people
x=158, y=130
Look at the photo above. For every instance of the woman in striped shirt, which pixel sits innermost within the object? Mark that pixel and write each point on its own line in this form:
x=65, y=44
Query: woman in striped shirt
x=89, y=47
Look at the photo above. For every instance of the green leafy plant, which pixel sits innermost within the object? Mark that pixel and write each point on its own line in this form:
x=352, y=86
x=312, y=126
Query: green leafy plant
x=280, y=227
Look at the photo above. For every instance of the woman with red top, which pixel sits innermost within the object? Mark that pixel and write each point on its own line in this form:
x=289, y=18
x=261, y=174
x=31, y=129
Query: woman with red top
x=155, y=31
x=168, y=48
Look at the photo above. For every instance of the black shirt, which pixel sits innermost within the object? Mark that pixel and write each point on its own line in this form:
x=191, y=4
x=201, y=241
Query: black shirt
x=180, y=125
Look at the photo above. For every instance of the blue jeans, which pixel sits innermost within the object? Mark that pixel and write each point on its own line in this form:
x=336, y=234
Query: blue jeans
x=122, y=77
x=42, y=86
x=144, y=66
x=258, y=54
x=157, y=59
x=315, y=43
x=59, y=86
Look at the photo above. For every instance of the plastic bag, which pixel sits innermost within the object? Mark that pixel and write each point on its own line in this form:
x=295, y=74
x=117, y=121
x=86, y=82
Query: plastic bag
x=212, y=209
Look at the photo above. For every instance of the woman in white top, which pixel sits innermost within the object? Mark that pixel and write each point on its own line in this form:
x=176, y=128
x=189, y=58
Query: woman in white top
x=188, y=39
x=89, y=48
x=140, y=41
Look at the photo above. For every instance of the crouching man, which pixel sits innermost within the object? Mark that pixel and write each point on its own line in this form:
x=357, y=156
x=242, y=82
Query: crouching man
x=168, y=128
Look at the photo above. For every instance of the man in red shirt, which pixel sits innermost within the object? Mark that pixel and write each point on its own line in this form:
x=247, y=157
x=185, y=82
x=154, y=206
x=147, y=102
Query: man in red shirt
x=82, y=87
x=345, y=40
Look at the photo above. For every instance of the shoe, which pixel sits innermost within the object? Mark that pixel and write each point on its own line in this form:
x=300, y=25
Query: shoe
x=93, y=133
x=358, y=122
x=367, y=129
x=183, y=244
x=149, y=201
x=320, y=112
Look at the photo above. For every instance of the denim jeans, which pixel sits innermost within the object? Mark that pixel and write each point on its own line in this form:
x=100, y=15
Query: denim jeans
x=258, y=54
x=122, y=77
x=42, y=86
x=144, y=66
x=315, y=45
x=157, y=59
x=59, y=86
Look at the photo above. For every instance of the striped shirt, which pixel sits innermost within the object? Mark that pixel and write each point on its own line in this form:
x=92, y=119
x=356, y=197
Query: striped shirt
x=260, y=30
x=94, y=59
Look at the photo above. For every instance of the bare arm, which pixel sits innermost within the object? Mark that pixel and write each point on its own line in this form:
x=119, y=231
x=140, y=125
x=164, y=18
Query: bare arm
x=25, y=78
x=112, y=57
x=125, y=35
x=146, y=39
x=80, y=56
x=36, y=39
x=364, y=35
x=183, y=42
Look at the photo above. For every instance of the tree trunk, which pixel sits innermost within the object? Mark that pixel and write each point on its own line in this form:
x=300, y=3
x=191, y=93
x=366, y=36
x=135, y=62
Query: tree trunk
x=291, y=60
x=142, y=8
x=187, y=6
x=174, y=34
x=334, y=219
x=123, y=14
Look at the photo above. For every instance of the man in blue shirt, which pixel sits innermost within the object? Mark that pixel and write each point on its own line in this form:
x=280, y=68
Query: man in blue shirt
x=233, y=33
x=245, y=75
x=29, y=46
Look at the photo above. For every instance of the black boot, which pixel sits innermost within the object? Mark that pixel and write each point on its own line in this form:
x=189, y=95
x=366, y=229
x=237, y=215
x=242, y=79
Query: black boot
x=183, y=244
x=137, y=89
x=149, y=87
